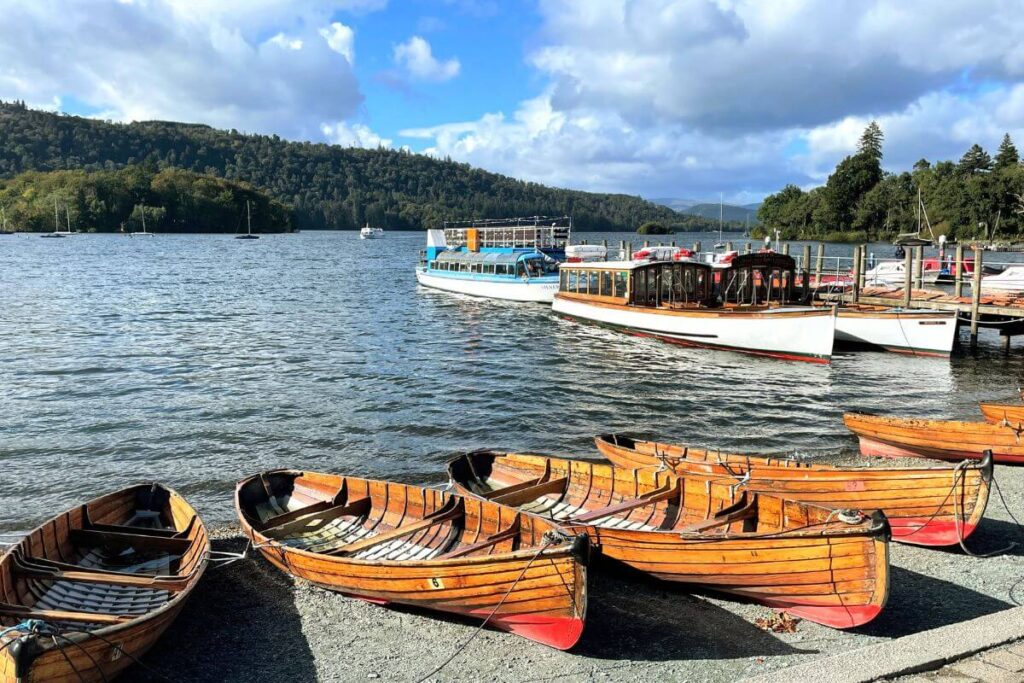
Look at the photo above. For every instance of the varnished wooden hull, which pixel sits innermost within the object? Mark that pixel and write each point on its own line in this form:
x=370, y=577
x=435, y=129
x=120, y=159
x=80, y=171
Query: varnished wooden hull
x=999, y=412
x=147, y=596
x=789, y=555
x=531, y=586
x=934, y=506
x=900, y=437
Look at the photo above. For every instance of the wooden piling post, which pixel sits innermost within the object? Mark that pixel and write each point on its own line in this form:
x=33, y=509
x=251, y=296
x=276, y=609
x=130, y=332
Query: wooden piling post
x=907, y=282
x=647, y=243
x=728, y=246
x=696, y=247
x=604, y=243
x=805, y=269
x=856, y=273
x=629, y=250
x=863, y=267
x=919, y=267
x=746, y=248
x=819, y=264
x=975, y=296
x=958, y=291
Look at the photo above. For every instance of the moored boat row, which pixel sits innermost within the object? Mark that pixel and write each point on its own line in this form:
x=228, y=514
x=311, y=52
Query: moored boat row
x=84, y=595
x=749, y=303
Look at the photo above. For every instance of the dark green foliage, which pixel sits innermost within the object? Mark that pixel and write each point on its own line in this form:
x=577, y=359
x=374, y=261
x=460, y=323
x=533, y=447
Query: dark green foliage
x=328, y=186
x=975, y=160
x=870, y=143
x=969, y=199
x=174, y=201
x=1007, y=155
x=653, y=228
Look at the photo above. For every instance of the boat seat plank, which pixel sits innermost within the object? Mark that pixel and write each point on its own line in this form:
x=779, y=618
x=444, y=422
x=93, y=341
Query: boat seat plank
x=514, y=488
x=445, y=514
x=110, y=538
x=136, y=530
x=724, y=517
x=304, y=518
x=521, y=496
x=85, y=576
x=663, y=493
x=20, y=612
x=493, y=539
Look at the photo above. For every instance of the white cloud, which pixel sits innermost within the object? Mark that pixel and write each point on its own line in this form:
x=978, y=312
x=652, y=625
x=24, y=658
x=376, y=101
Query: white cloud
x=208, y=61
x=416, y=56
x=353, y=135
x=283, y=41
x=341, y=39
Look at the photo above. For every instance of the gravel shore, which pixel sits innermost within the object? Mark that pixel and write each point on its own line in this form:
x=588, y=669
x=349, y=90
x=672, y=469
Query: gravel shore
x=248, y=621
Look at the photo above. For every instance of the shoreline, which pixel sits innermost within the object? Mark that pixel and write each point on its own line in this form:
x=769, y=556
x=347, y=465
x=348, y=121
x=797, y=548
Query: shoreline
x=248, y=621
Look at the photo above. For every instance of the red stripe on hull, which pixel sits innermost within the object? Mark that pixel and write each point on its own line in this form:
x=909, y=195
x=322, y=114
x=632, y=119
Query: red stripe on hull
x=560, y=633
x=935, y=532
x=869, y=446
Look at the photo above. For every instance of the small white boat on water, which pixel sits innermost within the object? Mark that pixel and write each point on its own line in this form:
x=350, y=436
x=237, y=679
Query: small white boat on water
x=368, y=233
x=895, y=273
x=1010, y=280
x=677, y=302
x=143, y=232
x=57, y=232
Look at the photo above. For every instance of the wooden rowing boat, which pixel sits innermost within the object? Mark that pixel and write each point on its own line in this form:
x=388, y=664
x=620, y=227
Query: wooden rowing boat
x=828, y=566
x=387, y=542
x=1001, y=412
x=902, y=437
x=88, y=592
x=934, y=506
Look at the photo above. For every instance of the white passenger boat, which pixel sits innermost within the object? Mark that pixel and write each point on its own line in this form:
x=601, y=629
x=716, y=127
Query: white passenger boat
x=677, y=302
x=894, y=273
x=514, y=259
x=368, y=233
x=1010, y=280
x=914, y=332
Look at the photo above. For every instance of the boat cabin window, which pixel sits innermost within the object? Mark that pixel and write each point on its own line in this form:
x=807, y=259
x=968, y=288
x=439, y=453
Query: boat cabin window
x=606, y=283
x=671, y=284
x=595, y=282
x=620, y=283
x=759, y=279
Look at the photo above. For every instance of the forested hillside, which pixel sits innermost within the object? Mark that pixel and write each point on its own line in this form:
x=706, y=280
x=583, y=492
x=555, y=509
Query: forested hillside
x=326, y=185
x=977, y=197
x=173, y=200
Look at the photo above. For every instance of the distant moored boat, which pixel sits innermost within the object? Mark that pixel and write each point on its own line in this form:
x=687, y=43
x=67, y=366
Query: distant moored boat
x=368, y=233
x=248, y=235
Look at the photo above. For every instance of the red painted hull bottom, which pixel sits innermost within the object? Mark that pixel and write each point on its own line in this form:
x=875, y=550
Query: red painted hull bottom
x=834, y=616
x=560, y=633
x=935, y=532
x=869, y=446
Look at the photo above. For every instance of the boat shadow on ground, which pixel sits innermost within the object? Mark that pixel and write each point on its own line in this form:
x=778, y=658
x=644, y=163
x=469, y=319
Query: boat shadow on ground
x=240, y=624
x=995, y=536
x=644, y=619
x=918, y=602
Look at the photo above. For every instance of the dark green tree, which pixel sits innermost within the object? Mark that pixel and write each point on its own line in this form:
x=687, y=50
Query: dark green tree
x=870, y=142
x=975, y=160
x=1007, y=155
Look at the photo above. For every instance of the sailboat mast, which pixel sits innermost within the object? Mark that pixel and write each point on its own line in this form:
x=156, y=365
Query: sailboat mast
x=143, y=217
x=67, y=214
x=248, y=214
x=720, y=198
x=56, y=216
x=3, y=217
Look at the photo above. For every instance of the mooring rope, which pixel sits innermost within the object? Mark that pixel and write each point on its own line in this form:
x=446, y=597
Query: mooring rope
x=548, y=542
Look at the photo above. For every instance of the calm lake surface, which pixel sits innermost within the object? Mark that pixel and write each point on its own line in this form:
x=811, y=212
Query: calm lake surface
x=197, y=359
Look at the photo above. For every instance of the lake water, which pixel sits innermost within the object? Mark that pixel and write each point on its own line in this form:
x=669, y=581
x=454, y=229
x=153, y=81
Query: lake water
x=197, y=359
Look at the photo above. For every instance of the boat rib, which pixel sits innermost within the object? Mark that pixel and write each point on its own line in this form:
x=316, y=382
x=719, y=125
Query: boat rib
x=88, y=592
x=828, y=566
x=933, y=506
x=388, y=542
x=902, y=437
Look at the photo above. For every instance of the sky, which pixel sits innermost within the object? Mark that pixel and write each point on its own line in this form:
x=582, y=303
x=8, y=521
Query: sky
x=659, y=98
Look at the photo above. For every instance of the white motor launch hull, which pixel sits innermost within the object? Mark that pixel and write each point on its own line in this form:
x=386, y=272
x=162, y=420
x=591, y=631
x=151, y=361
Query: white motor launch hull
x=535, y=290
x=792, y=333
x=912, y=332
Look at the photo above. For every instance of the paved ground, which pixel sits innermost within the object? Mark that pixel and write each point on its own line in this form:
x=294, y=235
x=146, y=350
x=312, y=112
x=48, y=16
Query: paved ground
x=249, y=622
x=999, y=665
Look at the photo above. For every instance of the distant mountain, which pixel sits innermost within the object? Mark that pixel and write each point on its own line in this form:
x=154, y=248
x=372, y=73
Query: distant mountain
x=729, y=212
x=755, y=206
x=325, y=186
x=675, y=203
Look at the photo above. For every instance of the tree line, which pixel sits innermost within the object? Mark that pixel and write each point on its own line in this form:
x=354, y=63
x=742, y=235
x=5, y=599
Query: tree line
x=326, y=186
x=172, y=200
x=977, y=197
